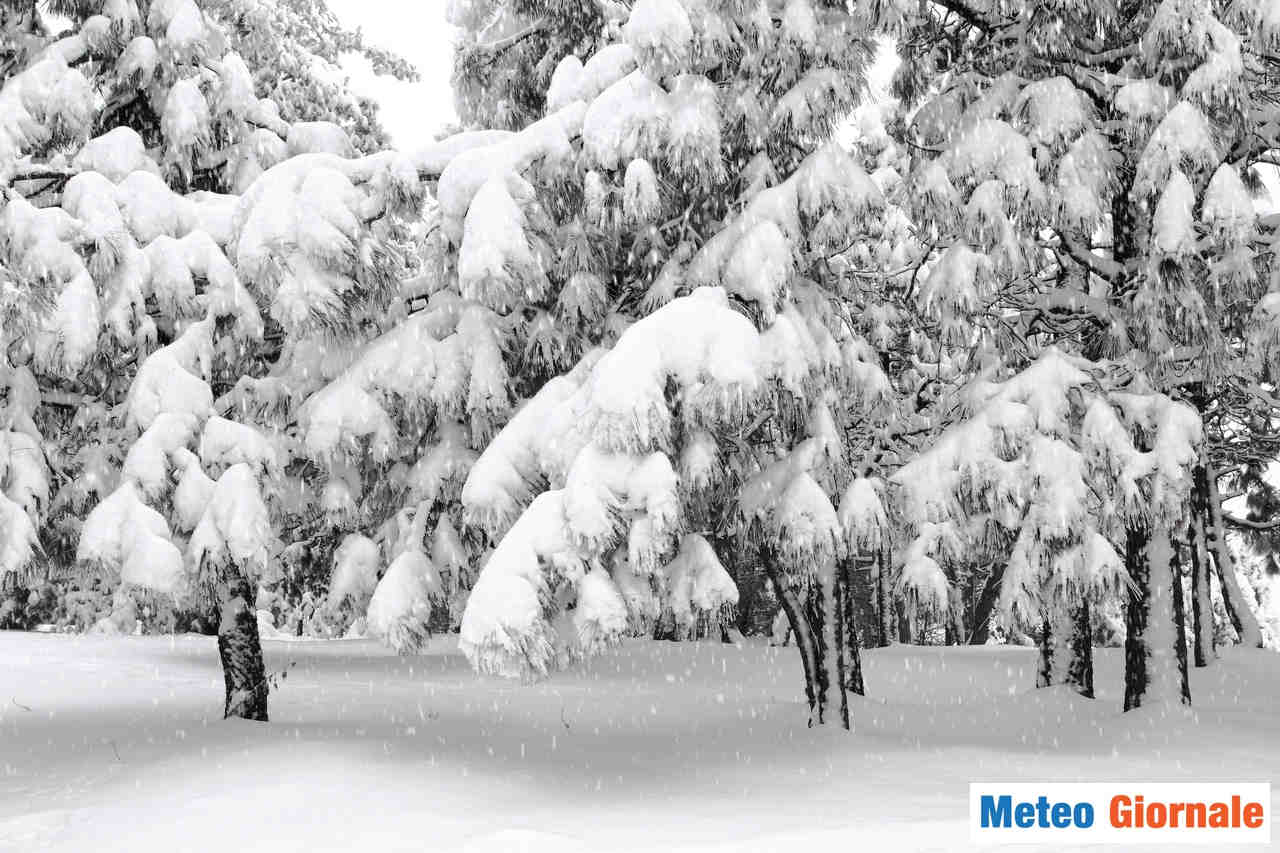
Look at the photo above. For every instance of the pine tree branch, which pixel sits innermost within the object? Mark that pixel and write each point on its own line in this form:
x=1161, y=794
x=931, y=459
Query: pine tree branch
x=1072, y=55
x=1076, y=304
x=1099, y=266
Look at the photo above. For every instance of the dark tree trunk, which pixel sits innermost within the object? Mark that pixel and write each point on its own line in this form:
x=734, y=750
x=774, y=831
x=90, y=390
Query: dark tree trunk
x=825, y=636
x=243, y=670
x=858, y=574
x=756, y=607
x=1080, y=667
x=986, y=607
x=1179, y=623
x=1135, y=618
x=1201, y=605
x=1044, y=669
x=904, y=611
x=1201, y=609
x=953, y=619
x=822, y=630
x=847, y=630
x=1066, y=651
x=884, y=597
x=1155, y=648
x=842, y=594
x=803, y=634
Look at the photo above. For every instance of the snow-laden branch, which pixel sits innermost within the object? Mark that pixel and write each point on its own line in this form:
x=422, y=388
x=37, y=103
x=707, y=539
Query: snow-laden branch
x=1098, y=265
x=38, y=172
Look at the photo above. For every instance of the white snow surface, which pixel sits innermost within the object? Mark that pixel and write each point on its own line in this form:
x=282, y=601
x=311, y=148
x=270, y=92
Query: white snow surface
x=116, y=743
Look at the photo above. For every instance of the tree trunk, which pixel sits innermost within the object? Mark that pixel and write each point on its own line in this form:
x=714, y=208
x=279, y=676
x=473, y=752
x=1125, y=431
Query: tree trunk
x=756, y=607
x=1201, y=605
x=840, y=595
x=1238, y=609
x=1080, y=665
x=243, y=671
x=819, y=607
x=1066, y=650
x=1048, y=646
x=851, y=677
x=953, y=623
x=906, y=621
x=986, y=606
x=884, y=597
x=825, y=638
x=1155, y=646
x=801, y=630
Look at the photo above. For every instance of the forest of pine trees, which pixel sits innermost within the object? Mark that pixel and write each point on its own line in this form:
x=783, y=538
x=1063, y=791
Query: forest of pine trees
x=685, y=333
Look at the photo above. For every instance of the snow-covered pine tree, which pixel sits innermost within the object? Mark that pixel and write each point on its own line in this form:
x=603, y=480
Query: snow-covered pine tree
x=548, y=242
x=1054, y=464
x=688, y=158
x=507, y=50
x=1085, y=166
x=878, y=279
x=178, y=322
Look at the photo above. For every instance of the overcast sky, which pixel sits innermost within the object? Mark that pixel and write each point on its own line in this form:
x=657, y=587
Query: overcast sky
x=411, y=112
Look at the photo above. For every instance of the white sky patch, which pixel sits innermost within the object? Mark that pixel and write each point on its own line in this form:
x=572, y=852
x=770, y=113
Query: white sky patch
x=413, y=113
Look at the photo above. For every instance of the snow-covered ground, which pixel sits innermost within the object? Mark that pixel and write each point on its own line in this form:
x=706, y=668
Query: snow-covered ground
x=116, y=743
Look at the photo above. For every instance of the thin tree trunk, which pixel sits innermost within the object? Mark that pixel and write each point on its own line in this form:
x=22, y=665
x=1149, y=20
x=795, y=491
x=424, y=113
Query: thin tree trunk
x=884, y=596
x=839, y=604
x=1048, y=639
x=906, y=621
x=1155, y=647
x=1066, y=650
x=819, y=613
x=1201, y=605
x=1080, y=665
x=1179, y=623
x=804, y=634
x=804, y=643
x=852, y=675
x=243, y=671
x=1238, y=609
x=954, y=618
x=986, y=606
x=1135, y=618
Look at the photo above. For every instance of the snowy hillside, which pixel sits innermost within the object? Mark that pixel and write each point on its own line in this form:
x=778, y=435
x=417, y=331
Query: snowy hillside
x=108, y=744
